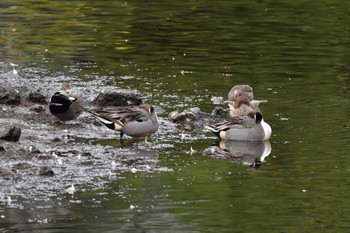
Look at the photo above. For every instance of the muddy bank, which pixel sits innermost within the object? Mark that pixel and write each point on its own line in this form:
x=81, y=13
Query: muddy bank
x=40, y=156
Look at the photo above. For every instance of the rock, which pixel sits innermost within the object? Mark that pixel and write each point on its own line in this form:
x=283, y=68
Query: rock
x=191, y=118
x=11, y=133
x=37, y=108
x=220, y=112
x=118, y=98
x=8, y=174
x=37, y=97
x=31, y=150
x=9, y=96
x=217, y=99
x=4, y=172
x=186, y=116
x=46, y=171
x=194, y=118
x=21, y=166
x=56, y=139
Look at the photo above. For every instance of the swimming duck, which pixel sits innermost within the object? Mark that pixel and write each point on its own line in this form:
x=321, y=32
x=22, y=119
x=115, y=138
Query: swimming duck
x=134, y=121
x=245, y=128
x=66, y=104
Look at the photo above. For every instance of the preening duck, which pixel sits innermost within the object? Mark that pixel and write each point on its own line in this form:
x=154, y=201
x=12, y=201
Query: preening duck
x=66, y=104
x=134, y=121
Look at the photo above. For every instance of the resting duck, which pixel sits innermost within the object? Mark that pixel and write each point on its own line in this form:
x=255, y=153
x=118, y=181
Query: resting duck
x=240, y=107
x=245, y=128
x=134, y=121
x=242, y=95
x=66, y=104
x=241, y=90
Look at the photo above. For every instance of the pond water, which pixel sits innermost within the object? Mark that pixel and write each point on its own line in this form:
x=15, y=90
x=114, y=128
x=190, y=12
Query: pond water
x=179, y=54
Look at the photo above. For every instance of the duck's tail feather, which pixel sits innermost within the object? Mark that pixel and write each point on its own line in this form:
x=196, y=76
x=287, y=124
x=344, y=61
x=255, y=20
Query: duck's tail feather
x=107, y=122
x=213, y=130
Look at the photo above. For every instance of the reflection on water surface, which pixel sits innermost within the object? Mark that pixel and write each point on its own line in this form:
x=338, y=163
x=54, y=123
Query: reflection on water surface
x=180, y=55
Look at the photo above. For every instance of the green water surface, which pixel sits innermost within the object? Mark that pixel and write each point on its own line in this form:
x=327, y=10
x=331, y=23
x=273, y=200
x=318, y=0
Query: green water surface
x=295, y=54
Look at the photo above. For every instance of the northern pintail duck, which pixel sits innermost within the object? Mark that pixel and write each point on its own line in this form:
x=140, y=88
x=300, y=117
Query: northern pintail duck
x=241, y=90
x=244, y=128
x=243, y=95
x=66, y=104
x=134, y=121
x=240, y=107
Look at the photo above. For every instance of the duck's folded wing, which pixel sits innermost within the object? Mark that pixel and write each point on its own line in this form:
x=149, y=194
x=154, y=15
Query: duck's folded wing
x=125, y=114
x=232, y=122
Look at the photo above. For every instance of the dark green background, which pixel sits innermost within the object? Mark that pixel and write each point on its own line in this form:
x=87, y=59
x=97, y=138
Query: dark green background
x=181, y=53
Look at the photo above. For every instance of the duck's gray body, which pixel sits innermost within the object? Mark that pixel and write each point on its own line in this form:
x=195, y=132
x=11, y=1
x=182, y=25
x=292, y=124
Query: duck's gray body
x=134, y=121
x=244, y=128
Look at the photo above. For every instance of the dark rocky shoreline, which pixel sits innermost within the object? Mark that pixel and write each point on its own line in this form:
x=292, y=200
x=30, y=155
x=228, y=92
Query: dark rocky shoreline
x=37, y=149
x=40, y=155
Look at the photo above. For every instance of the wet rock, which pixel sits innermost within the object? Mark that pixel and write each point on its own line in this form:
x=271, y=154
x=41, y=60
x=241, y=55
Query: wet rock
x=8, y=174
x=56, y=139
x=37, y=97
x=9, y=96
x=4, y=172
x=46, y=171
x=220, y=112
x=185, y=119
x=32, y=150
x=118, y=98
x=217, y=100
x=37, y=108
x=194, y=118
x=10, y=133
x=186, y=116
x=21, y=166
x=129, y=162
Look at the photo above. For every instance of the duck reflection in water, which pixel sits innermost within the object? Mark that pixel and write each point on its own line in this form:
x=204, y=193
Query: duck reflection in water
x=250, y=154
x=139, y=155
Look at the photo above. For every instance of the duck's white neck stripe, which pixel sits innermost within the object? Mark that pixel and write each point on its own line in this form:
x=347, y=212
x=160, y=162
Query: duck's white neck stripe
x=267, y=151
x=267, y=130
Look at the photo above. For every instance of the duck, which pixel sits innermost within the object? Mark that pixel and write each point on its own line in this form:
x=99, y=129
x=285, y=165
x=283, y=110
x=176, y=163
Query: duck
x=240, y=107
x=66, y=104
x=243, y=94
x=241, y=90
x=244, y=128
x=134, y=121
